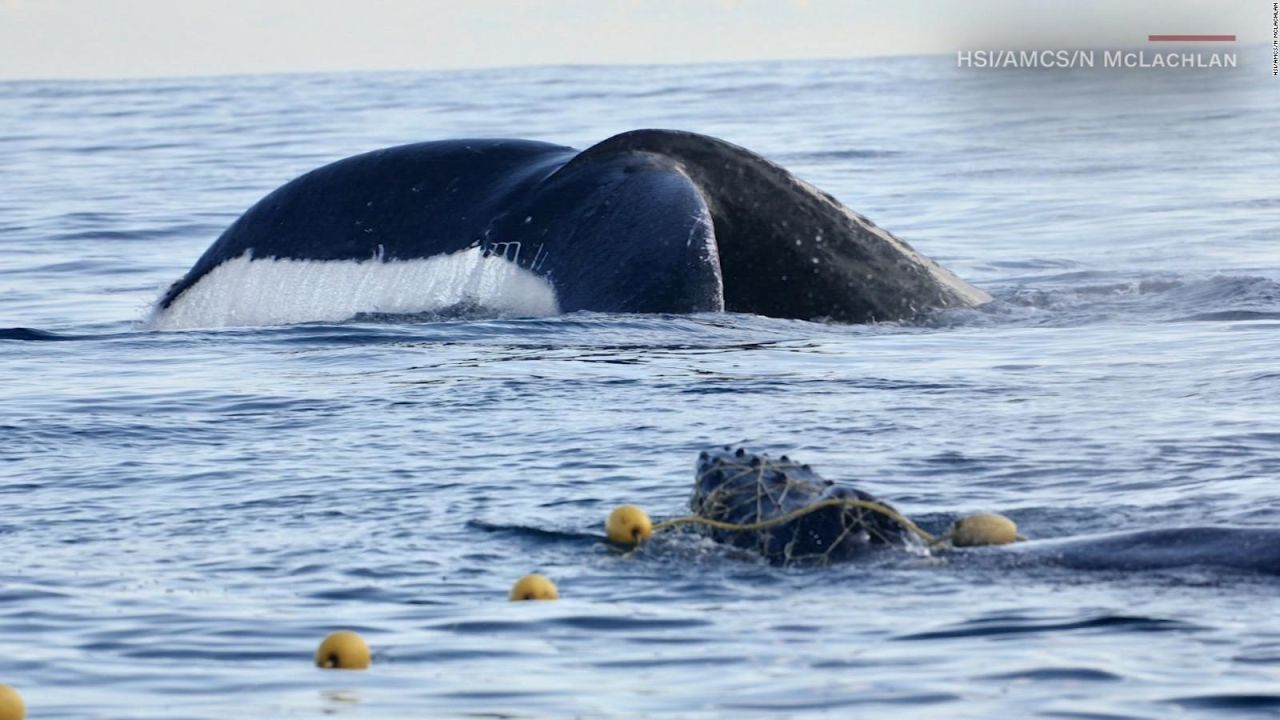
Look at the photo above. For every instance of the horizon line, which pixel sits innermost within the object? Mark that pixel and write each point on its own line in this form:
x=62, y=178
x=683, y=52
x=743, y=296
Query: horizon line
x=514, y=66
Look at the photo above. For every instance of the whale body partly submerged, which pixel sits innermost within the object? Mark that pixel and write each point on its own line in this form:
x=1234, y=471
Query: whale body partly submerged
x=745, y=489
x=649, y=221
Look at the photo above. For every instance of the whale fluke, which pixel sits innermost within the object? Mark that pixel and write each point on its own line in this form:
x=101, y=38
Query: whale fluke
x=646, y=221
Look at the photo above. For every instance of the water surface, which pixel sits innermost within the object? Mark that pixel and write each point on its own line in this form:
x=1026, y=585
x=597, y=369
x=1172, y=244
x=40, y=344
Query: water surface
x=184, y=515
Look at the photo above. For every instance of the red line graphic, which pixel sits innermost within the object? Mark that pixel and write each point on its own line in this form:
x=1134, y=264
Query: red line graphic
x=1191, y=38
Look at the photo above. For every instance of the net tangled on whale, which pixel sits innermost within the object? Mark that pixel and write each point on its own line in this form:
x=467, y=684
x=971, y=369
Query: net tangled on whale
x=791, y=515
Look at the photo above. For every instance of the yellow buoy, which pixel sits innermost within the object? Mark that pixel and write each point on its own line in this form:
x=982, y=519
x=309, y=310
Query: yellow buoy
x=534, y=587
x=629, y=525
x=11, y=705
x=983, y=529
x=343, y=650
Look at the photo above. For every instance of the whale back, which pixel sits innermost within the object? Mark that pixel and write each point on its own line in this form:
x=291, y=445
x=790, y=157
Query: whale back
x=1249, y=549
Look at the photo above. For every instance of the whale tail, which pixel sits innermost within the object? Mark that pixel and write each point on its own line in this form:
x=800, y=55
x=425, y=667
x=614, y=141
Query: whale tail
x=646, y=221
x=786, y=248
x=639, y=237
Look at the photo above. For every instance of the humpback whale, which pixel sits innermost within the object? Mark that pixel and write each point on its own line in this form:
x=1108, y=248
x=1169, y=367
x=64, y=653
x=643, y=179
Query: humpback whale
x=790, y=515
x=743, y=488
x=649, y=221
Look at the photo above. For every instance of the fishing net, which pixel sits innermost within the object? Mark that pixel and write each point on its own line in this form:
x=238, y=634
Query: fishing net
x=788, y=513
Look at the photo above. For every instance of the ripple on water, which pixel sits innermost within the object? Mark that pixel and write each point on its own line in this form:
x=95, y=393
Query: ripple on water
x=186, y=514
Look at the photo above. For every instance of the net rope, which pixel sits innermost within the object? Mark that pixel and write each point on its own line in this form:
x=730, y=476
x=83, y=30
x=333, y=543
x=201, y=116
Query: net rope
x=750, y=487
x=748, y=493
x=888, y=512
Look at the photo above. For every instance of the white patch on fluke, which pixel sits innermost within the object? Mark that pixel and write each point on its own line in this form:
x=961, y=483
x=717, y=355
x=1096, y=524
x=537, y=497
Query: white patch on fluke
x=270, y=291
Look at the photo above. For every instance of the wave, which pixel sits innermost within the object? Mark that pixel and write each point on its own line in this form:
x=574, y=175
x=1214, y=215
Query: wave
x=33, y=335
x=1083, y=297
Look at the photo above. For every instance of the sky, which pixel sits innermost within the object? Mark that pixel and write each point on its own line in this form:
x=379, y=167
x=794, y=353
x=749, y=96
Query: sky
x=163, y=38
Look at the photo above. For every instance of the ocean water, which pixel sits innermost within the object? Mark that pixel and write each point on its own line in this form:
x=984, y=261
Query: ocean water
x=185, y=514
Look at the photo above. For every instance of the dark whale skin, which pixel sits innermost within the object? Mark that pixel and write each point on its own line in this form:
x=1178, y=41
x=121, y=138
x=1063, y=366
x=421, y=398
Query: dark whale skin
x=655, y=221
x=741, y=487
